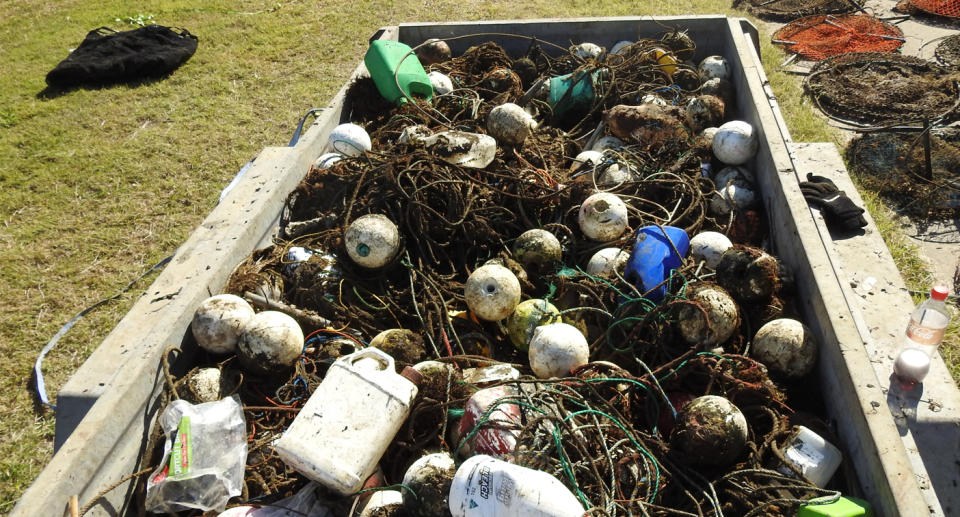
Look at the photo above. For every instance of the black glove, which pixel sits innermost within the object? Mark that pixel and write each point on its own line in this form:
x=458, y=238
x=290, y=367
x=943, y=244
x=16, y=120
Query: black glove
x=837, y=209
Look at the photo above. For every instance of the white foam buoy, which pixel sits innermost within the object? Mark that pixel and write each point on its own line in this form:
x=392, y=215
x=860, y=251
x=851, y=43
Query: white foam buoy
x=537, y=247
x=786, y=346
x=441, y=82
x=428, y=485
x=372, y=240
x=735, y=142
x=492, y=292
x=714, y=67
x=715, y=318
x=607, y=261
x=529, y=315
x=735, y=190
x=709, y=247
x=587, y=50
x=219, y=321
x=510, y=124
x=557, y=348
x=349, y=140
x=589, y=158
x=326, y=160
x=603, y=217
x=272, y=341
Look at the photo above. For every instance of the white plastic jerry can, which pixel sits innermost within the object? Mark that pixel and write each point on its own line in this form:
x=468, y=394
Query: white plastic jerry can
x=348, y=422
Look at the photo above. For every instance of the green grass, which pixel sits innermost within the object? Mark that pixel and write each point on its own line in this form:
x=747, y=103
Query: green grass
x=98, y=185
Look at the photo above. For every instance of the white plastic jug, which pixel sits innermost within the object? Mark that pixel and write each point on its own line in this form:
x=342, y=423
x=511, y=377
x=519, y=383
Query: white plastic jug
x=488, y=487
x=817, y=458
x=348, y=422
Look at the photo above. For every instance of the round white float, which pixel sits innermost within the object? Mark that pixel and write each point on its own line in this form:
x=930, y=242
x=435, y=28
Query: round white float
x=219, y=321
x=372, y=240
x=557, y=348
x=492, y=292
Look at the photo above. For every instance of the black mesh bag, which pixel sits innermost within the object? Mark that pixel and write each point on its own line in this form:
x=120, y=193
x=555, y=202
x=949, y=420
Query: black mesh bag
x=107, y=57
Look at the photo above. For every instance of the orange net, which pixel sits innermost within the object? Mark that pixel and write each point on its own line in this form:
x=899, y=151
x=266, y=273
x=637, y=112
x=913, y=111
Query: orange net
x=949, y=8
x=823, y=36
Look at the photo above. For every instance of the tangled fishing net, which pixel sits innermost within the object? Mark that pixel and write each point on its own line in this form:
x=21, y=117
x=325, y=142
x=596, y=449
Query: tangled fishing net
x=603, y=430
x=823, y=36
x=786, y=10
x=871, y=88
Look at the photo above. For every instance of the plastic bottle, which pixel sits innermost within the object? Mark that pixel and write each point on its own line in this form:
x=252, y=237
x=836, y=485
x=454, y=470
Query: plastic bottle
x=928, y=324
x=348, y=422
x=488, y=487
x=816, y=458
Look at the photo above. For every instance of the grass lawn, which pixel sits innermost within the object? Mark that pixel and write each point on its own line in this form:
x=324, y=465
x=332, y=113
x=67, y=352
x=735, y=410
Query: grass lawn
x=98, y=185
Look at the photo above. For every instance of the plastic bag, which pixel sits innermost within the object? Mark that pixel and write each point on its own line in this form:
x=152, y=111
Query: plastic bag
x=203, y=457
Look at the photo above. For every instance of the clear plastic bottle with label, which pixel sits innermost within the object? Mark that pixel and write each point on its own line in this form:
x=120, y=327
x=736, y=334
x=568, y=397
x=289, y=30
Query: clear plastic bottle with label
x=928, y=324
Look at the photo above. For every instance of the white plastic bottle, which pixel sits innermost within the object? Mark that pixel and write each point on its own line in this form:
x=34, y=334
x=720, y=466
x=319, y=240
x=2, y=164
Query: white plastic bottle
x=488, y=487
x=348, y=422
x=928, y=324
x=816, y=458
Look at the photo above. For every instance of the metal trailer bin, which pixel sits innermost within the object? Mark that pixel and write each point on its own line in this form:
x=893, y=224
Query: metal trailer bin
x=107, y=409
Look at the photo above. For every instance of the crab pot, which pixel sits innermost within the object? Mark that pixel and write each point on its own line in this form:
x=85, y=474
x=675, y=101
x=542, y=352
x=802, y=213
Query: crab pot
x=107, y=409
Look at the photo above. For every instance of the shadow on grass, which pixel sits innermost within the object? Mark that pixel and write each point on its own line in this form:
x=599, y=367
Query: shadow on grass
x=53, y=92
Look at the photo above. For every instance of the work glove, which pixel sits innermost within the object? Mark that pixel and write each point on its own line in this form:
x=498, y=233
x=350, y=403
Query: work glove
x=838, y=210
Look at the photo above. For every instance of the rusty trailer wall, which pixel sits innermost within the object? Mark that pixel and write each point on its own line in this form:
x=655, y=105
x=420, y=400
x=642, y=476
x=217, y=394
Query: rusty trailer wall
x=108, y=411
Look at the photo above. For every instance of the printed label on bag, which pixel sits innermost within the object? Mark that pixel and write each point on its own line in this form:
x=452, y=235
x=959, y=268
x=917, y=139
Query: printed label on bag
x=924, y=335
x=181, y=455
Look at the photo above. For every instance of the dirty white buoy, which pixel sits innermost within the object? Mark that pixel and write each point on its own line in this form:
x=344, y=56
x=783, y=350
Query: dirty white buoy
x=510, y=124
x=326, y=160
x=492, y=292
x=620, y=46
x=608, y=261
x=537, y=247
x=428, y=485
x=786, y=346
x=587, y=50
x=735, y=142
x=372, y=240
x=441, y=82
x=714, y=67
x=603, y=217
x=721, y=320
x=271, y=342
x=709, y=247
x=557, y=348
x=349, y=140
x=219, y=321
x=433, y=51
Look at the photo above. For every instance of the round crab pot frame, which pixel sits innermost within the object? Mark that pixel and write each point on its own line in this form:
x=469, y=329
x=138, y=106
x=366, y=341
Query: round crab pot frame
x=945, y=8
x=819, y=37
x=786, y=10
x=948, y=51
x=874, y=88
